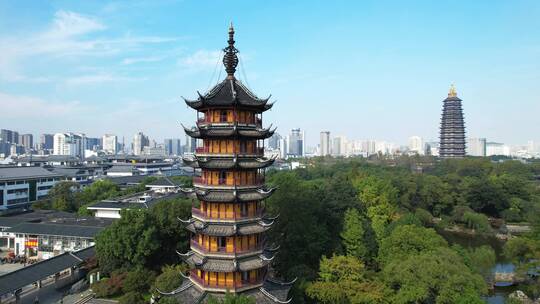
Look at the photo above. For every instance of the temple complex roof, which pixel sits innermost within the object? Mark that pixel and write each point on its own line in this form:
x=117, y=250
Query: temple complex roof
x=229, y=229
x=229, y=131
x=229, y=195
x=221, y=163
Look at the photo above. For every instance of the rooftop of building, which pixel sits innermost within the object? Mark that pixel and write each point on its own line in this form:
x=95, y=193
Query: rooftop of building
x=21, y=173
x=141, y=200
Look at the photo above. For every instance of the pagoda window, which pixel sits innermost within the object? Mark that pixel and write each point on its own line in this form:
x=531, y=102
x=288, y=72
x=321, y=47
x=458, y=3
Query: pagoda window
x=223, y=116
x=221, y=242
x=243, y=147
x=222, y=177
x=243, y=210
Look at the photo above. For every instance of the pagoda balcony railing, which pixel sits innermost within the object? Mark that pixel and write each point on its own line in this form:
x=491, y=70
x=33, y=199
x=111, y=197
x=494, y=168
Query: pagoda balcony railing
x=226, y=216
x=203, y=121
x=223, y=250
x=259, y=151
x=222, y=182
x=242, y=284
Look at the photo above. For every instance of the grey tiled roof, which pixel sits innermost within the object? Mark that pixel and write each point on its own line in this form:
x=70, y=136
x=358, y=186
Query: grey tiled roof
x=30, y=274
x=272, y=292
x=56, y=229
x=24, y=172
x=227, y=229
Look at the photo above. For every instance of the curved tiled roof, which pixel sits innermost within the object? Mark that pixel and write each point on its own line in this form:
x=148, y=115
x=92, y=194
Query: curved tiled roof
x=230, y=92
x=229, y=195
x=232, y=131
x=228, y=162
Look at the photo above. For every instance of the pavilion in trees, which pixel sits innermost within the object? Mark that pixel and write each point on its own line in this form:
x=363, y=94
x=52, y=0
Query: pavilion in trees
x=452, y=129
x=228, y=249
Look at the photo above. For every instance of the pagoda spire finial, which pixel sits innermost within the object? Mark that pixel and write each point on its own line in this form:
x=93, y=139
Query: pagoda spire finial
x=230, y=60
x=452, y=92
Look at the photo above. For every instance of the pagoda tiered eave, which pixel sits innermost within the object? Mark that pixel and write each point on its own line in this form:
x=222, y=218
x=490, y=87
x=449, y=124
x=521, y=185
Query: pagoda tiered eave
x=226, y=163
x=229, y=195
x=229, y=229
x=230, y=93
x=209, y=131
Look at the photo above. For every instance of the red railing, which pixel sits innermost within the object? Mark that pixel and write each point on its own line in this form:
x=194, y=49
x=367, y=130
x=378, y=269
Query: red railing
x=259, y=180
x=256, y=151
x=235, y=284
x=236, y=215
x=223, y=250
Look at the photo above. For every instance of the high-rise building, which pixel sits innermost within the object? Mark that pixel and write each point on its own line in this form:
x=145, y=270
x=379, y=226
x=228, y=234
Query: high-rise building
x=191, y=145
x=139, y=142
x=69, y=144
x=324, y=148
x=228, y=249
x=47, y=141
x=416, y=145
x=93, y=143
x=476, y=146
x=452, y=130
x=296, y=143
x=173, y=146
x=494, y=148
x=273, y=142
x=27, y=141
x=9, y=136
x=110, y=143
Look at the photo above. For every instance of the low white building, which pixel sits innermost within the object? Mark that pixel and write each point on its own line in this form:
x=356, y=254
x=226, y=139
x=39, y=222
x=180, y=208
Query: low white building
x=19, y=186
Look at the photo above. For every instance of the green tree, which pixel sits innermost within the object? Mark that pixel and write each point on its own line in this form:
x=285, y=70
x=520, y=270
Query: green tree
x=409, y=240
x=353, y=235
x=130, y=241
x=138, y=280
x=62, y=196
x=437, y=276
x=170, y=278
x=476, y=221
x=343, y=280
x=132, y=297
x=378, y=196
x=171, y=232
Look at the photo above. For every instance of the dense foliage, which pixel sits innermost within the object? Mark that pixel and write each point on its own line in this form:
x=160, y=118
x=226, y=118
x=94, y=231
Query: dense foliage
x=354, y=231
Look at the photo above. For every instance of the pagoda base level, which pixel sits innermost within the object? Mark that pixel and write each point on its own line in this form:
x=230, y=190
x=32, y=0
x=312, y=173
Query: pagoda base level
x=269, y=292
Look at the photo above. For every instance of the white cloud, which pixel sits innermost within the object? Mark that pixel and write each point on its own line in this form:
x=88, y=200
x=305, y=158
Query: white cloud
x=67, y=24
x=69, y=34
x=128, y=61
x=202, y=59
x=25, y=107
x=99, y=78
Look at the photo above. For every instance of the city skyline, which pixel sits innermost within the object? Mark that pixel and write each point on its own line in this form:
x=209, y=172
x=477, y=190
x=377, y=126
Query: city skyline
x=88, y=66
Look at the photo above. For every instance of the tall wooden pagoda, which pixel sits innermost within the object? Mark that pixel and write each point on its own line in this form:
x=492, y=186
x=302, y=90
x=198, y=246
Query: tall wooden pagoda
x=229, y=252
x=452, y=129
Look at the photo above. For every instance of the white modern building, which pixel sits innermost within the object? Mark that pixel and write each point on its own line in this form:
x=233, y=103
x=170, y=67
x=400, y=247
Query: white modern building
x=110, y=143
x=139, y=142
x=296, y=143
x=494, y=148
x=324, y=148
x=416, y=145
x=19, y=186
x=476, y=146
x=69, y=144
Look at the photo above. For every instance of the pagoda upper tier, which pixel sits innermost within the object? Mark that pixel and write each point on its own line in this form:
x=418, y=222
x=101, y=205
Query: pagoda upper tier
x=230, y=93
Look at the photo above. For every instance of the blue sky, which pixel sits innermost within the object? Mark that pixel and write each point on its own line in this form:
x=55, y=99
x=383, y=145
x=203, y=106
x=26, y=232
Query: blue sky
x=364, y=69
